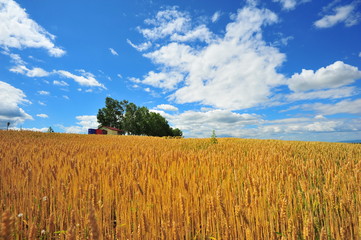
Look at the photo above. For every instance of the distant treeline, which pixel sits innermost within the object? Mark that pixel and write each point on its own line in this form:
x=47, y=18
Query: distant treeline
x=134, y=120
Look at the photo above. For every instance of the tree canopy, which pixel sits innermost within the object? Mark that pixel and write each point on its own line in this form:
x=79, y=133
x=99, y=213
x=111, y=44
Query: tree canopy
x=134, y=120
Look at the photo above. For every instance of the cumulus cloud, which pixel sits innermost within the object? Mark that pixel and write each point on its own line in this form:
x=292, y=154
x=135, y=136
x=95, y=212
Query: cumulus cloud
x=10, y=99
x=84, y=123
x=240, y=63
x=112, y=51
x=167, y=107
x=290, y=4
x=335, y=75
x=42, y=115
x=17, y=30
x=166, y=80
x=176, y=25
x=166, y=23
x=85, y=79
x=35, y=72
x=346, y=14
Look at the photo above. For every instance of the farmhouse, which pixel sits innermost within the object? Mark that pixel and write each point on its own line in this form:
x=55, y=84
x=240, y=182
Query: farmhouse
x=105, y=130
x=111, y=130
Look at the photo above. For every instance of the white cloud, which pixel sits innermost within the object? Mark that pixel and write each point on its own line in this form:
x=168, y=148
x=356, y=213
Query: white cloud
x=66, y=97
x=346, y=14
x=283, y=41
x=287, y=4
x=166, y=23
x=335, y=75
x=42, y=115
x=290, y=4
x=319, y=117
x=41, y=103
x=216, y=16
x=176, y=25
x=86, y=78
x=323, y=94
x=119, y=75
x=240, y=63
x=35, y=72
x=44, y=92
x=167, y=107
x=227, y=123
x=140, y=47
x=84, y=123
x=112, y=51
x=344, y=106
x=15, y=58
x=44, y=129
x=17, y=30
x=166, y=80
x=201, y=124
x=60, y=83
x=201, y=33
x=10, y=99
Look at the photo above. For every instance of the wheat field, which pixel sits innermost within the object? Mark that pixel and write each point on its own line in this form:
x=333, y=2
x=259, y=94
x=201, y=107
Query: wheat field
x=69, y=186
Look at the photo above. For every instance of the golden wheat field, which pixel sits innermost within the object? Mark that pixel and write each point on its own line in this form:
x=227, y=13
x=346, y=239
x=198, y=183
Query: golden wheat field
x=68, y=186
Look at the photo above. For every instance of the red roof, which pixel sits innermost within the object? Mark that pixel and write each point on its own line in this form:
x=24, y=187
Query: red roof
x=114, y=129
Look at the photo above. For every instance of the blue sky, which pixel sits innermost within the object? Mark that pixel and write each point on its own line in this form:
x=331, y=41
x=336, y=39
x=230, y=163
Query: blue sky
x=280, y=69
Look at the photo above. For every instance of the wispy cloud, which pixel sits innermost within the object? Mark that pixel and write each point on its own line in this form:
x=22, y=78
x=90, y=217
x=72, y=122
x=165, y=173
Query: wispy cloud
x=167, y=107
x=112, y=51
x=216, y=16
x=346, y=14
x=290, y=4
x=35, y=72
x=140, y=47
x=60, y=83
x=42, y=115
x=342, y=92
x=44, y=92
x=344, y=106
x=85, y=79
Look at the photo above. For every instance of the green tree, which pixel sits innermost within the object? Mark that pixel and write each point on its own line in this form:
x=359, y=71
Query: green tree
x=134, y=120
x=112, y=115
x=177, y=132
x=214, y=137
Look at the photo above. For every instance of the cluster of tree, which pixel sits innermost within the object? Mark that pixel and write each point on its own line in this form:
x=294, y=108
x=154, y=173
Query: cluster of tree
x=134, y=120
